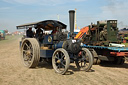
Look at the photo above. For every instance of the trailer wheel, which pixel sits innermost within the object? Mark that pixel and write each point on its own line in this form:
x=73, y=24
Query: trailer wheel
x=119, y=60
x=122, y=61
x=60, y=61
x=30, y=52
x=85, y=60
x=96, y=61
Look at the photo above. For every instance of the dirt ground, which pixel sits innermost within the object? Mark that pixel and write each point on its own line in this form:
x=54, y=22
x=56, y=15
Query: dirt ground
x=12, y=71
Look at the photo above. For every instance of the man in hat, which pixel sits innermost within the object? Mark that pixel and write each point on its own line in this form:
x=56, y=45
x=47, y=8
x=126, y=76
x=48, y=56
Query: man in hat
x=29, y=33
x=39, y=33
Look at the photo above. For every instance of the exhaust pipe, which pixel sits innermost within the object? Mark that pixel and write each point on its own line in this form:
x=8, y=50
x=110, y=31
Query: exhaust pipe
x=71, y=20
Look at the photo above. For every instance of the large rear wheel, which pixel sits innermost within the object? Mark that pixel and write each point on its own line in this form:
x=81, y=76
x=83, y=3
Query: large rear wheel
x=30, y=52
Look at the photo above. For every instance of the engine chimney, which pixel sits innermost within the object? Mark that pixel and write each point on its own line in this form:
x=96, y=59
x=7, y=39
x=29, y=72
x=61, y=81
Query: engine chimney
x=71, y=20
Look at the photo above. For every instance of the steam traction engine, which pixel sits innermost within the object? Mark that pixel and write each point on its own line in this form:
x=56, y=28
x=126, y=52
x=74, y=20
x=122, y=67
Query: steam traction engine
x=56, y=46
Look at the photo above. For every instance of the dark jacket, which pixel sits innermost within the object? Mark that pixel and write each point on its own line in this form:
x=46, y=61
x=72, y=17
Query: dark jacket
x=29, y=33
x=39, y=33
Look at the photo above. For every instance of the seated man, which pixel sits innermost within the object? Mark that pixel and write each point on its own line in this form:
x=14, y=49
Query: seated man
x=55, y=30
x=29, y=33
x=39, y=34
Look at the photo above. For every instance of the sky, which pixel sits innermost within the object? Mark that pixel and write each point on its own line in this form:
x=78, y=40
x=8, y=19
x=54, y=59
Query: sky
x=17, y=12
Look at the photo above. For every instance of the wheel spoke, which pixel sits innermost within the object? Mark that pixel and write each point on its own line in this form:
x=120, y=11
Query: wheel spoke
x=31, y=54
x=62, y=57
x=27, y=45
x=62, y=64
x=63, y=61
x=25, y=51
x=58, y=66
x=25, y=57
x=30, y=58
x=81, y=64
x=30, y=46
x=56, y=57
x=29, y=62
x=84, y=63
x=61, y=54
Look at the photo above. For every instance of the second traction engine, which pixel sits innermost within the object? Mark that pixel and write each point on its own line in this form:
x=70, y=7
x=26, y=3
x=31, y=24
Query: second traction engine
x=102, y=34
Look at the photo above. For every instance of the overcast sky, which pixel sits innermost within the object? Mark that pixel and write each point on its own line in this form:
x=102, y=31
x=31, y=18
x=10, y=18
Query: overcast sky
x=17, y=12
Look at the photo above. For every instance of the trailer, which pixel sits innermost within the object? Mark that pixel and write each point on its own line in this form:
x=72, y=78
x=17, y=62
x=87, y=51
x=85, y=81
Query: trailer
x=102, y=40
x=114, y=54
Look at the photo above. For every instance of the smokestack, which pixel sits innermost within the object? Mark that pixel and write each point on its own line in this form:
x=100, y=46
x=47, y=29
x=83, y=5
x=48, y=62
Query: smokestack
x=71, y=20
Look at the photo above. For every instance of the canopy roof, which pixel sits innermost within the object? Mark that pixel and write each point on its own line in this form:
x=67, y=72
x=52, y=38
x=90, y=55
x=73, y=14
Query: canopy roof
x=46, y=25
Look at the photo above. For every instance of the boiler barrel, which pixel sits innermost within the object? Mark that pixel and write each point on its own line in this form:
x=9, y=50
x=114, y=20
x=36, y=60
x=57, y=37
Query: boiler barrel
x=58, y=45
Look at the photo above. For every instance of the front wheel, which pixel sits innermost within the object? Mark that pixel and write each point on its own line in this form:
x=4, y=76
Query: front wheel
x=60, y=61
x=85, y=60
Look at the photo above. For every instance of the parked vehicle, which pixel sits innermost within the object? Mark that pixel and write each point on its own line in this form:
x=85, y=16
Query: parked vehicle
x=2, y=34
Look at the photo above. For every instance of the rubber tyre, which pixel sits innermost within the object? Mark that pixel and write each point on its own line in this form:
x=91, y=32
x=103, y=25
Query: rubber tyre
x=35, y=51
x=98, y=61
x=122, y=61
x=95, y=61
